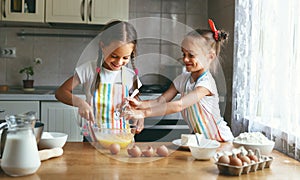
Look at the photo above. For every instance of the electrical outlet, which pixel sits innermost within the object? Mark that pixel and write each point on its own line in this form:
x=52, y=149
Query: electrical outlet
x=8, y=52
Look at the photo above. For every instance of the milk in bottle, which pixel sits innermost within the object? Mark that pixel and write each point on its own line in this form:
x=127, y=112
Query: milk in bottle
x=20, y=156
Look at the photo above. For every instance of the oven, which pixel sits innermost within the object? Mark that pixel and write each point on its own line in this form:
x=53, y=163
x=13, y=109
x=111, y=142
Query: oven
x=162, y=128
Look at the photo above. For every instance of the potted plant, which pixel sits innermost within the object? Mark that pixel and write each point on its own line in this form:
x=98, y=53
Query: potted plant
x=29, y=72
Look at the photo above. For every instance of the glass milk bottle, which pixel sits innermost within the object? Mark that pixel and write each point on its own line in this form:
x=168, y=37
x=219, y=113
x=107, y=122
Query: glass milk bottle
x=20, y=156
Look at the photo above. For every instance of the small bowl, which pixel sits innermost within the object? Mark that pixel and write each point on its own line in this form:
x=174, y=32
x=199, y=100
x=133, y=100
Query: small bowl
x=206, y=151
x=265, y=149
x=51, y=140
x=106, y=136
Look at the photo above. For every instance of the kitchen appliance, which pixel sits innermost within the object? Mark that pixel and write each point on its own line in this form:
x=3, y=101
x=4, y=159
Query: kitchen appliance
x=161, y=128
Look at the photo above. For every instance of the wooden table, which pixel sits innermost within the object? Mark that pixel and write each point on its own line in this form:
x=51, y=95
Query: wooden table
x=82, y=161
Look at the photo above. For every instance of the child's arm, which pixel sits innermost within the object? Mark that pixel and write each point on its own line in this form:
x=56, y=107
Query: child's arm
x=64, y=95
x=165, y=97
x=164, y=108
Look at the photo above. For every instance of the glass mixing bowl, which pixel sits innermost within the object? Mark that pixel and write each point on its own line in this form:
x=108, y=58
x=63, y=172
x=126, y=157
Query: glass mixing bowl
x=106, y=137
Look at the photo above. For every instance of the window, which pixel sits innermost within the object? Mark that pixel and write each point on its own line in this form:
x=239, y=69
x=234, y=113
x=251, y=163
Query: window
x=266, y=82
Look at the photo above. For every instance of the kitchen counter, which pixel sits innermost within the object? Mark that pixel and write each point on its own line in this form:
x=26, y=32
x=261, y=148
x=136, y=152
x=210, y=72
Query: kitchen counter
x=82, y=161
x=39, y=93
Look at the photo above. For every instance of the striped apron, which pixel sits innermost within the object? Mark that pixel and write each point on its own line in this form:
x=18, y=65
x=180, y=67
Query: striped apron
x=107, y=101
x=200, y=119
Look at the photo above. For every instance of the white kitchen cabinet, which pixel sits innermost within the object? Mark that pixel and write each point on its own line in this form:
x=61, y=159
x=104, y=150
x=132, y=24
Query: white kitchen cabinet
x=19, y=107
x=59, y=117
x=23, y=10
x=86, y=11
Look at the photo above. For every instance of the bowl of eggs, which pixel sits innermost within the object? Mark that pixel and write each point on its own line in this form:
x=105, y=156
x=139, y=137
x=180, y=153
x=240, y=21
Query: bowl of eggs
x=107, y=136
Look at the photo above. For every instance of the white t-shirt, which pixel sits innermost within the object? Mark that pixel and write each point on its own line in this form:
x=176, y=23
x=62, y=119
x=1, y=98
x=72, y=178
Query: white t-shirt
x=183, y=84
x=86, y=74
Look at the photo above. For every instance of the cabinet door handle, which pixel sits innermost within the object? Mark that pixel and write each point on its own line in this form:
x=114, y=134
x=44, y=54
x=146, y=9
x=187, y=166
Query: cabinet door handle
x=90, y=11
x=3, y=8
x=82, y=9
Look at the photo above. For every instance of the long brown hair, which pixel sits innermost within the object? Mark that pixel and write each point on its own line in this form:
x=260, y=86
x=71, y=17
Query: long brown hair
x=116, y=31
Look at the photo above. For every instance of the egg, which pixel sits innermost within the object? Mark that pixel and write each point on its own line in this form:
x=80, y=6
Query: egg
x=148, y=152
x=244, y=158
x=252, y=156
x=114, y=148
x=235, y=161
x=162, y=151
x=135, y=151
x=224, y=159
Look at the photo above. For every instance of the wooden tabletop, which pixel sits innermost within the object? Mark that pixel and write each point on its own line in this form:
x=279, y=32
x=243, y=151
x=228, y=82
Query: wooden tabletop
x=82, y=161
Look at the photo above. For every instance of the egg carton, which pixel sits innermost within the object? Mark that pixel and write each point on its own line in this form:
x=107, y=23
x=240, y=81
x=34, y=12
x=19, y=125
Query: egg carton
x=265, y=162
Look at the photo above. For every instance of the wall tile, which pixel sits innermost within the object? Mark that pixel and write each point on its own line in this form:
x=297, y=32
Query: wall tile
x=195, y=21
x=148, y=63
x=148, y=59
x=3, y=71
x=48, y=51
x=173, y=51
x=173, y=6
x=153, y=6
x=147, y=25
x=173, y=27
x=3, y=36
x=170, y=68
x=196, y=6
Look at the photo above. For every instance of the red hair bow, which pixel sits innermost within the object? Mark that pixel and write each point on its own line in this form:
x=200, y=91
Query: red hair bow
x=214, y=29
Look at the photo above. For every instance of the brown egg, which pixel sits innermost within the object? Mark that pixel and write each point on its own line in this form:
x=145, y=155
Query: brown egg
x=235, y=161
x=224, y=159
x=129, y=152
x=135, y=151
x=252, y=156
x=244, y=158
x=148, y=152
x=114, y=148
x=162, y=151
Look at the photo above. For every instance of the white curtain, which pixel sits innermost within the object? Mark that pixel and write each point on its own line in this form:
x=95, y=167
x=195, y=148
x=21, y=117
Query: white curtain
x=266, y=82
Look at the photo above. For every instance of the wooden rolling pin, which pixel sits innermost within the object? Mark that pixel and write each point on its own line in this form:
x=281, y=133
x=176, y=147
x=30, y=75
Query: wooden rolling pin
x=50, y=153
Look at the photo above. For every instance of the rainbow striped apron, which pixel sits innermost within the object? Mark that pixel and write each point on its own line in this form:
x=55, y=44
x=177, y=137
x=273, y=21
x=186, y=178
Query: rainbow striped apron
x=200, y=120
x=107, y=101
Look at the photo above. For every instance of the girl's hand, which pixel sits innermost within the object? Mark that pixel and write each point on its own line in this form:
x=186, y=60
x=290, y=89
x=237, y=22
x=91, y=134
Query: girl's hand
x=133, y=114
x=136, y=116
x=86, y=111
x=139, y=123
x=134, y=102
